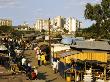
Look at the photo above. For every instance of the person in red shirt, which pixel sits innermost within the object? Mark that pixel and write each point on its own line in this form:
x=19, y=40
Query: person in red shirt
x=33, y=75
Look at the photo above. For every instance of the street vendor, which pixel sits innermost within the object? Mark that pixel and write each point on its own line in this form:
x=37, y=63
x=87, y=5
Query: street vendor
x=67, y=62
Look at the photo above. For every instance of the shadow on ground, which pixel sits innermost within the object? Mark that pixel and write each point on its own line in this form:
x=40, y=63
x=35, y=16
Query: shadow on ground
x=51, y=80
x=42, y=76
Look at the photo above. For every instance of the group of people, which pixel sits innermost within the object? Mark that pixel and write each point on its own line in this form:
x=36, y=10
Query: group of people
x=13, y=45
x=61, y=65
x=41, y=56
x=41, y=59
x=31, y=72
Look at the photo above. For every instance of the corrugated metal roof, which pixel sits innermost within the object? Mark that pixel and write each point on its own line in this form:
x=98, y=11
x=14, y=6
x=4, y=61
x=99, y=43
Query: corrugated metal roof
x=98, y=45
x=68, y=53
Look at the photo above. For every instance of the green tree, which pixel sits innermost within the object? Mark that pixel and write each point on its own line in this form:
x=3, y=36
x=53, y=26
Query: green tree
x=65, y=30
x=6, y=29
x=43, y=31
x=100, y=13
x=16, y=34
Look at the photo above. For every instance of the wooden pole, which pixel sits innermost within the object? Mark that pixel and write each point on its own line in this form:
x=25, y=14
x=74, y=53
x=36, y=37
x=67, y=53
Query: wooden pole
x=75, y=71
x=81, y=76
x=49, y=41
x=85, y=67
x=105, y=72
x=75, y=74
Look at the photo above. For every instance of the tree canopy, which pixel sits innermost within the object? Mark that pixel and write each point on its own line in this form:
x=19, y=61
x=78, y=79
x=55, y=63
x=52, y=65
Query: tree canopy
x=5, y=29
x=100, y=13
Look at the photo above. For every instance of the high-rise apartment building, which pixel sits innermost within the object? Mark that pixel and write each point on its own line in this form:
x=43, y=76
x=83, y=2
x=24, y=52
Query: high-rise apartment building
x=46, y=24
x=5, y=22
x=72, y=24
x=42, y=24
x=39, y=25
x=59, y=21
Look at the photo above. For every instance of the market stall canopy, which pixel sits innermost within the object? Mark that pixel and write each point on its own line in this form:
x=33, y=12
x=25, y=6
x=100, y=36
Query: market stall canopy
x=2, y=48
x=91, y=56
x=88, y=56
x=69, y=53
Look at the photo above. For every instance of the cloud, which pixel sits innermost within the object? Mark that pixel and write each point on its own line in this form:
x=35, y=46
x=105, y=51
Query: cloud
x=81, y=2
x=84, y=2
x=8, y=3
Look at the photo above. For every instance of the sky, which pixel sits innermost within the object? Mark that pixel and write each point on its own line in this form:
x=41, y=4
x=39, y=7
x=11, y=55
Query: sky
x=29, y=10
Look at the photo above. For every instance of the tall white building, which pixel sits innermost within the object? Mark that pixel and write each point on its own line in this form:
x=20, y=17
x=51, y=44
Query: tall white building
x=59, y=22
x=46, y=24
x=41, y=24
x=5, y=22
x=72, y=24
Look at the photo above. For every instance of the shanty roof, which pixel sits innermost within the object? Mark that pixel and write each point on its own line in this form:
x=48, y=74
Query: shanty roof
x=93, y=45
x=68, y=53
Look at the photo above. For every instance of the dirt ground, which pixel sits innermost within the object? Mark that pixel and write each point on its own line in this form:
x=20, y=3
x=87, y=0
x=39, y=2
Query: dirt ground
x=45, y=72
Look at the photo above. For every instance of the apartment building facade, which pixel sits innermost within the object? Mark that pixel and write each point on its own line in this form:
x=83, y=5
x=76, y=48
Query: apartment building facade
x=41, y=24
x=58, y=22
x=72, y=24
x=5, y=22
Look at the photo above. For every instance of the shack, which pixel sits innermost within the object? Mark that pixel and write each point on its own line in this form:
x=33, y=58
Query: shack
x=94, y=55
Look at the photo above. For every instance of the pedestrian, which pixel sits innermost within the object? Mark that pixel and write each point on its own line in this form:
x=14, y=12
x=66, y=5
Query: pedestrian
x=36, y=71
x=28, y=71
x=55, y=66
x=23, y=61
x=42, y=58
x=33, y=75
x=39, y=59
x=37, y=51
x=67, y=62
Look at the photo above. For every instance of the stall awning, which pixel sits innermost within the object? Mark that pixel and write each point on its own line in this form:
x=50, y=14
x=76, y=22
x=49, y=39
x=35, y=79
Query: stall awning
x=92, y=56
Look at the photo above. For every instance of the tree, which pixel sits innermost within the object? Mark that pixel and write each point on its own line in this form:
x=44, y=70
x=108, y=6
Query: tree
x=100, y=13
x=6, y=29
x=43, y=31
x=16, y=34
x=65, y=30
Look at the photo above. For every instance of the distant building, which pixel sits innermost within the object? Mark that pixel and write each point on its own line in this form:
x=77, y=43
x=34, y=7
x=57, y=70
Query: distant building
x=45, y=24
x=5, y=22
x=59, y=22
x=41, y=24
x=72, y=24
x=23, y=27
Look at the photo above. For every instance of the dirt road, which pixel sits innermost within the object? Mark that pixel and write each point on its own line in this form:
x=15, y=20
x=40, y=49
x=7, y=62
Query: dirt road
x=45, y=72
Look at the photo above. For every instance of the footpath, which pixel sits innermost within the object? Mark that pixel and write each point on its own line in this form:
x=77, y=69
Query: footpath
x=45, y=72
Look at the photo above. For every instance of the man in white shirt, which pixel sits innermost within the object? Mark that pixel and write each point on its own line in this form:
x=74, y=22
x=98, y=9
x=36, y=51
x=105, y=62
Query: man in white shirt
x=54, y=66
x=23, y=61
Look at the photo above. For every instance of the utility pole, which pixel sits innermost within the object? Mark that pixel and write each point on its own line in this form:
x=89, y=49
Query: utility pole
x=49, y=41
x=105, y=72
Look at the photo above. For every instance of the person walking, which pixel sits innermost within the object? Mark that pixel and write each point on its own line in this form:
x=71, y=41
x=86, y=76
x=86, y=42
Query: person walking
x=43, y=58
x=36, y=71
x=55, y=66
x=39, y=59
x=33, y=75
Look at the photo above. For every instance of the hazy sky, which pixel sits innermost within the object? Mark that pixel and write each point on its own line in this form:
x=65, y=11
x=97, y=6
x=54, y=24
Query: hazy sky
x=29, y=10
